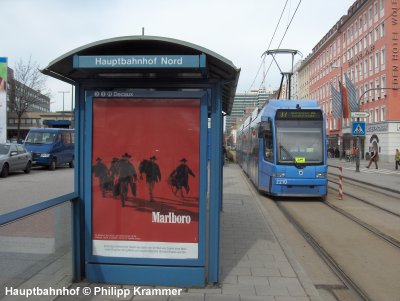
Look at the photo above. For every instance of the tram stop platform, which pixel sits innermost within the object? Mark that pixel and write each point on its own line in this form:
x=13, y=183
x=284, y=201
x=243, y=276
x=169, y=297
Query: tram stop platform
x=256, y=263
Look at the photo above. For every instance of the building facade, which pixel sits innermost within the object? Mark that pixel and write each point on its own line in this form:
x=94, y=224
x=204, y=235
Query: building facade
x=243, y=100
x=37, y=113
x=364, y=45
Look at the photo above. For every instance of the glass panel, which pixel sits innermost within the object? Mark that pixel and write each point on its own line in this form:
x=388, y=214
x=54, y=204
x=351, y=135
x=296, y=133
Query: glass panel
x=299, y=139
x=36, y=251
x=145, y=184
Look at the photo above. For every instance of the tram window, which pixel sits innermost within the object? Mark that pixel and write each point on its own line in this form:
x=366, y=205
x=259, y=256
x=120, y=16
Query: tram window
x=269, y=148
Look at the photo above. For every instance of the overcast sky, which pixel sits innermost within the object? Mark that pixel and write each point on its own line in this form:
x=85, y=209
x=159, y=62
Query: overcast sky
x=238, y=30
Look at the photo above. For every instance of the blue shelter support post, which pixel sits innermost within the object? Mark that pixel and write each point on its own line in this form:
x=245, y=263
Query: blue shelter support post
x=78, y=207
x=215, y=184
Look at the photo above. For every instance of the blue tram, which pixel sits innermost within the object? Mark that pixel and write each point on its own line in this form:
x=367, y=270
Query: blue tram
x=283, y=151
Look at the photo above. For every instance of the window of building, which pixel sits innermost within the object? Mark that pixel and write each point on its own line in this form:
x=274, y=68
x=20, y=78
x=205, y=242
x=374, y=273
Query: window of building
x=371, y=91
x=377, y=115
x=377, y=84
x=376, y=34
x=383, y=86
x=371, y=64
x=370, y=38
x=383, y=111
x=365, y=41
x=375, y=7
x=382, y=29
x=376, y=61
x=383, y=58
x=370, y=14
x=365, y=66
x=371, y=116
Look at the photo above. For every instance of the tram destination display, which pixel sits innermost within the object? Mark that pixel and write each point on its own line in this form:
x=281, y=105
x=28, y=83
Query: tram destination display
x=298, y=114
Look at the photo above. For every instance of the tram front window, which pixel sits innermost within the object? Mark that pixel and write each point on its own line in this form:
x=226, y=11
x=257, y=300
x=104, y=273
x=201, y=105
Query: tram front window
x=299, y=141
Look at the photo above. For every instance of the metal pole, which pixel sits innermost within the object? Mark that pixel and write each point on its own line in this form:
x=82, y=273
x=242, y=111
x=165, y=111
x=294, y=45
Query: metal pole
x=358, y=152
x=63, y=93
x=341, y=116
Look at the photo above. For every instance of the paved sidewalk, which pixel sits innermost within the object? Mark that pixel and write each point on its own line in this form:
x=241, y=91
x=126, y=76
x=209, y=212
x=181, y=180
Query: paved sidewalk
x=256, y=264
x=385, y=176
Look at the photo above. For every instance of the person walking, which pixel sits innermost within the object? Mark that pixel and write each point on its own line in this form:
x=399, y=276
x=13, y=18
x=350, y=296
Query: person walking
x=114, y=172
x=100, y=171
x=374, y=158
x=397, y=158
x=153, y=174
x=179, y=178
x=127, y=177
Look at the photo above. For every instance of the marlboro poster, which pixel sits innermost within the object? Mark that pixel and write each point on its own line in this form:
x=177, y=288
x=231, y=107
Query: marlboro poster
x=145, y=178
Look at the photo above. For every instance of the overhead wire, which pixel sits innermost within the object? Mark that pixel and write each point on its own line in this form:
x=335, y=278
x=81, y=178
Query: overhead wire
x=280, y=43
x=270, y=42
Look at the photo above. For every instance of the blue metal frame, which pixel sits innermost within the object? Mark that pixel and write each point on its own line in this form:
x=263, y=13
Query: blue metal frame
x=184, y=272
x=24, y=212
x=215, y=184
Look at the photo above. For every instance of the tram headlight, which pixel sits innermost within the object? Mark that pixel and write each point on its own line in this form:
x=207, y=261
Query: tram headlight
x=320, y=175
x=279, y=175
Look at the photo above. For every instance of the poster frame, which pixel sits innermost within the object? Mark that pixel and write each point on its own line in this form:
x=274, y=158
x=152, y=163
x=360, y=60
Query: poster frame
x=95, y=259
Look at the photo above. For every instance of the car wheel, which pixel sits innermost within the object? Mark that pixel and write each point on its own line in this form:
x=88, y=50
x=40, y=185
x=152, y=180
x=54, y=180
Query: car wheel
x=52, y=165
x=4, y=171
x=72, y=163
x=28, y=167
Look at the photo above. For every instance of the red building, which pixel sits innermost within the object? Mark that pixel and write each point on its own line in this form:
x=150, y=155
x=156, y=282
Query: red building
x=364, y=44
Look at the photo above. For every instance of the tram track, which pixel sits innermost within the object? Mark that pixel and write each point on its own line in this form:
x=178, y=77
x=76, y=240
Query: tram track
x=324, y=254
x=363, y=224
x=349, y=271
x=363, y=200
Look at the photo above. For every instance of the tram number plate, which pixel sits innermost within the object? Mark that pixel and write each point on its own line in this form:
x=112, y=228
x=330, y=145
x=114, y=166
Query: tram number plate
x=281, y=181
x=300, y=160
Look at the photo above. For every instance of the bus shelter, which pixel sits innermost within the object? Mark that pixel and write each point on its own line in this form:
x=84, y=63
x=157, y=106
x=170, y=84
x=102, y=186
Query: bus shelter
x=150, y=201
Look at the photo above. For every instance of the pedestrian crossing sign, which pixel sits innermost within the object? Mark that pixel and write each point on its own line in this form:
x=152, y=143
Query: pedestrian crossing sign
x=358, y=128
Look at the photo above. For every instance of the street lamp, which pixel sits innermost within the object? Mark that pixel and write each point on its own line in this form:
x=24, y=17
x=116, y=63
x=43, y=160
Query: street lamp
x=63, y=93
x=341, y=111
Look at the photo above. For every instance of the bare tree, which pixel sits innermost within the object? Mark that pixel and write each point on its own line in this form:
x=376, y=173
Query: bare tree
x=27, y=83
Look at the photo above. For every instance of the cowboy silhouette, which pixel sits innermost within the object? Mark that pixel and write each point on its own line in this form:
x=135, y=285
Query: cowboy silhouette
x=179, y=178
x=127, y=176
x=153, y=174
x=100, y=171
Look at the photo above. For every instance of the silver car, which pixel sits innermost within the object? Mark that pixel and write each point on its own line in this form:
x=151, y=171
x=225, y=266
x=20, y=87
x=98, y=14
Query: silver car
x=14, y=157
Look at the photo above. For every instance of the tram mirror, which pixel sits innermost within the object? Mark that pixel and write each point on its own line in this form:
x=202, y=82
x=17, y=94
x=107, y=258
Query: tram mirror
x=265, y=126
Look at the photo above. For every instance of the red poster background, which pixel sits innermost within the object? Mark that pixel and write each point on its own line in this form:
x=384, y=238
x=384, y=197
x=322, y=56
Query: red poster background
x=166, y=128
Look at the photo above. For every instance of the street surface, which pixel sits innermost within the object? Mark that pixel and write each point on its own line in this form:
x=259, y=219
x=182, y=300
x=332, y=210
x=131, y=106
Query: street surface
x=20, y=190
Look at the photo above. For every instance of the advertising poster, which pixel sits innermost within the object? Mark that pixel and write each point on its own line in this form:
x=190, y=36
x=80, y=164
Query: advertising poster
x=3, y=99
x=145, y=178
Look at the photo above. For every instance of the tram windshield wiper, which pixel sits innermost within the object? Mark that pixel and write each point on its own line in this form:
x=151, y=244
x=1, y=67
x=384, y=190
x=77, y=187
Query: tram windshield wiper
x=298, y=165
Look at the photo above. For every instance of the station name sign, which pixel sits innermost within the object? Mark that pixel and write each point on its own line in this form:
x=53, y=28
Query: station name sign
x=139, y=61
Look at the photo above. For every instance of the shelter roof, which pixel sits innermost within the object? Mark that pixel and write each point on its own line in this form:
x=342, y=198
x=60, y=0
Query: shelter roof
x=218, y=68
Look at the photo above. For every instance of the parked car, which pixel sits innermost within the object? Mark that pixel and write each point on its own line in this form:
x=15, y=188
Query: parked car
x=14, y=157
x=51, y=146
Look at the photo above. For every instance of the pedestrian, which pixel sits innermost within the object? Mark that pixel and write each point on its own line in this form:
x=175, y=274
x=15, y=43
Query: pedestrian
x=397, y=158
x=153, y=174
x=100, y=171
x=179, y=178
x=127, y=173
x=374, y=158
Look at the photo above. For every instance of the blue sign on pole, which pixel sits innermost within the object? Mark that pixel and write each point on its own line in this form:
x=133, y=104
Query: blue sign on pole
x=358, y=128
